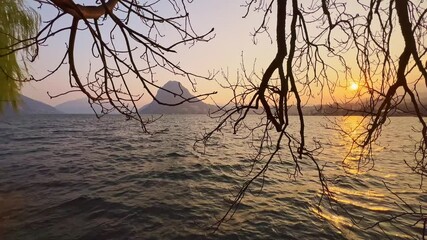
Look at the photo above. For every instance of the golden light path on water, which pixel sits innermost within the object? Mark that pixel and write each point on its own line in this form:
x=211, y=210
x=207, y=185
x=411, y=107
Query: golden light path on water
x=372, y=199
x=357, y=159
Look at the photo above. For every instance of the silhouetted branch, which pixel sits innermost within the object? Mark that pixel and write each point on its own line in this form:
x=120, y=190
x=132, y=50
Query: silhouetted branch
x=126, y=44
x=316, y=43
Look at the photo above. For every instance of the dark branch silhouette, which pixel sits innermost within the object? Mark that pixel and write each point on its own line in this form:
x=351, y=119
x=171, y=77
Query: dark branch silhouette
x=316, y=43
x=126, y=44
x=320, y=47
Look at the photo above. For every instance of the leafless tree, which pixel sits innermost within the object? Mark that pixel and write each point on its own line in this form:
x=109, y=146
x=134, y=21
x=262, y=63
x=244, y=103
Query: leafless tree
x=127, y=42
x=320, y=46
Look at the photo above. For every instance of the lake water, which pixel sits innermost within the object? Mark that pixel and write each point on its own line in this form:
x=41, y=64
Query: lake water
x=76, y=177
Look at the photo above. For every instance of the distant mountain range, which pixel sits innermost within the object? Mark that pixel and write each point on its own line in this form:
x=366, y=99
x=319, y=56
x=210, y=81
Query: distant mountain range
x=78, y=106
x=29, y=106
x=177, y=93
x=81, y=106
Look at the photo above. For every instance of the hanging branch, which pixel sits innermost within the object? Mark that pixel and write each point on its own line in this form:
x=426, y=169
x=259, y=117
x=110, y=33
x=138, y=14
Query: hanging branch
x=310, y=37
x=126, y=44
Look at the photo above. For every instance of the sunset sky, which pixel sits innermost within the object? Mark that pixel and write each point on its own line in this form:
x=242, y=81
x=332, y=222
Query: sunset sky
x=232, y=38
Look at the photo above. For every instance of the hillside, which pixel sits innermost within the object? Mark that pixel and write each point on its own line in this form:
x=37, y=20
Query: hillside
x=197, y=107
x=29, y=106
x=78, y=106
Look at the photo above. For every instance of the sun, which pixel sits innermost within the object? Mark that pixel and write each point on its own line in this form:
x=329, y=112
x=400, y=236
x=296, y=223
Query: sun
x=354, y=86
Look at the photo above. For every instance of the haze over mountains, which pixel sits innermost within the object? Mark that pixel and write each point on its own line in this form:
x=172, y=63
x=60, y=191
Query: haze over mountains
x=177, y=93
x=81, y=106
x=78, y=106
x=30, y=106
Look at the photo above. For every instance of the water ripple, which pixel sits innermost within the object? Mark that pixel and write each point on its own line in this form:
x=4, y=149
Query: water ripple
x=72, y=177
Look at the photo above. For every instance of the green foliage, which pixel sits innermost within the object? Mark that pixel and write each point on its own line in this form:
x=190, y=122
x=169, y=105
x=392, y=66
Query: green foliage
x=17, y=23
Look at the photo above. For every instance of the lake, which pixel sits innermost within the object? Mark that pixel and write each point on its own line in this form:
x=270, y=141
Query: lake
x=76, y=177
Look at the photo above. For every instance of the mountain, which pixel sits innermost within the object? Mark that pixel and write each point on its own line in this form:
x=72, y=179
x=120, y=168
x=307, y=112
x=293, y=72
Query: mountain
x=29, y=106
x=180, y=92
x=78, y=106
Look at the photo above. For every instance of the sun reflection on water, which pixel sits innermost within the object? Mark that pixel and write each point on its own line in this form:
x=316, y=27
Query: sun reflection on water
x=370, y=194
x=356, y=195
x=356, y=158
